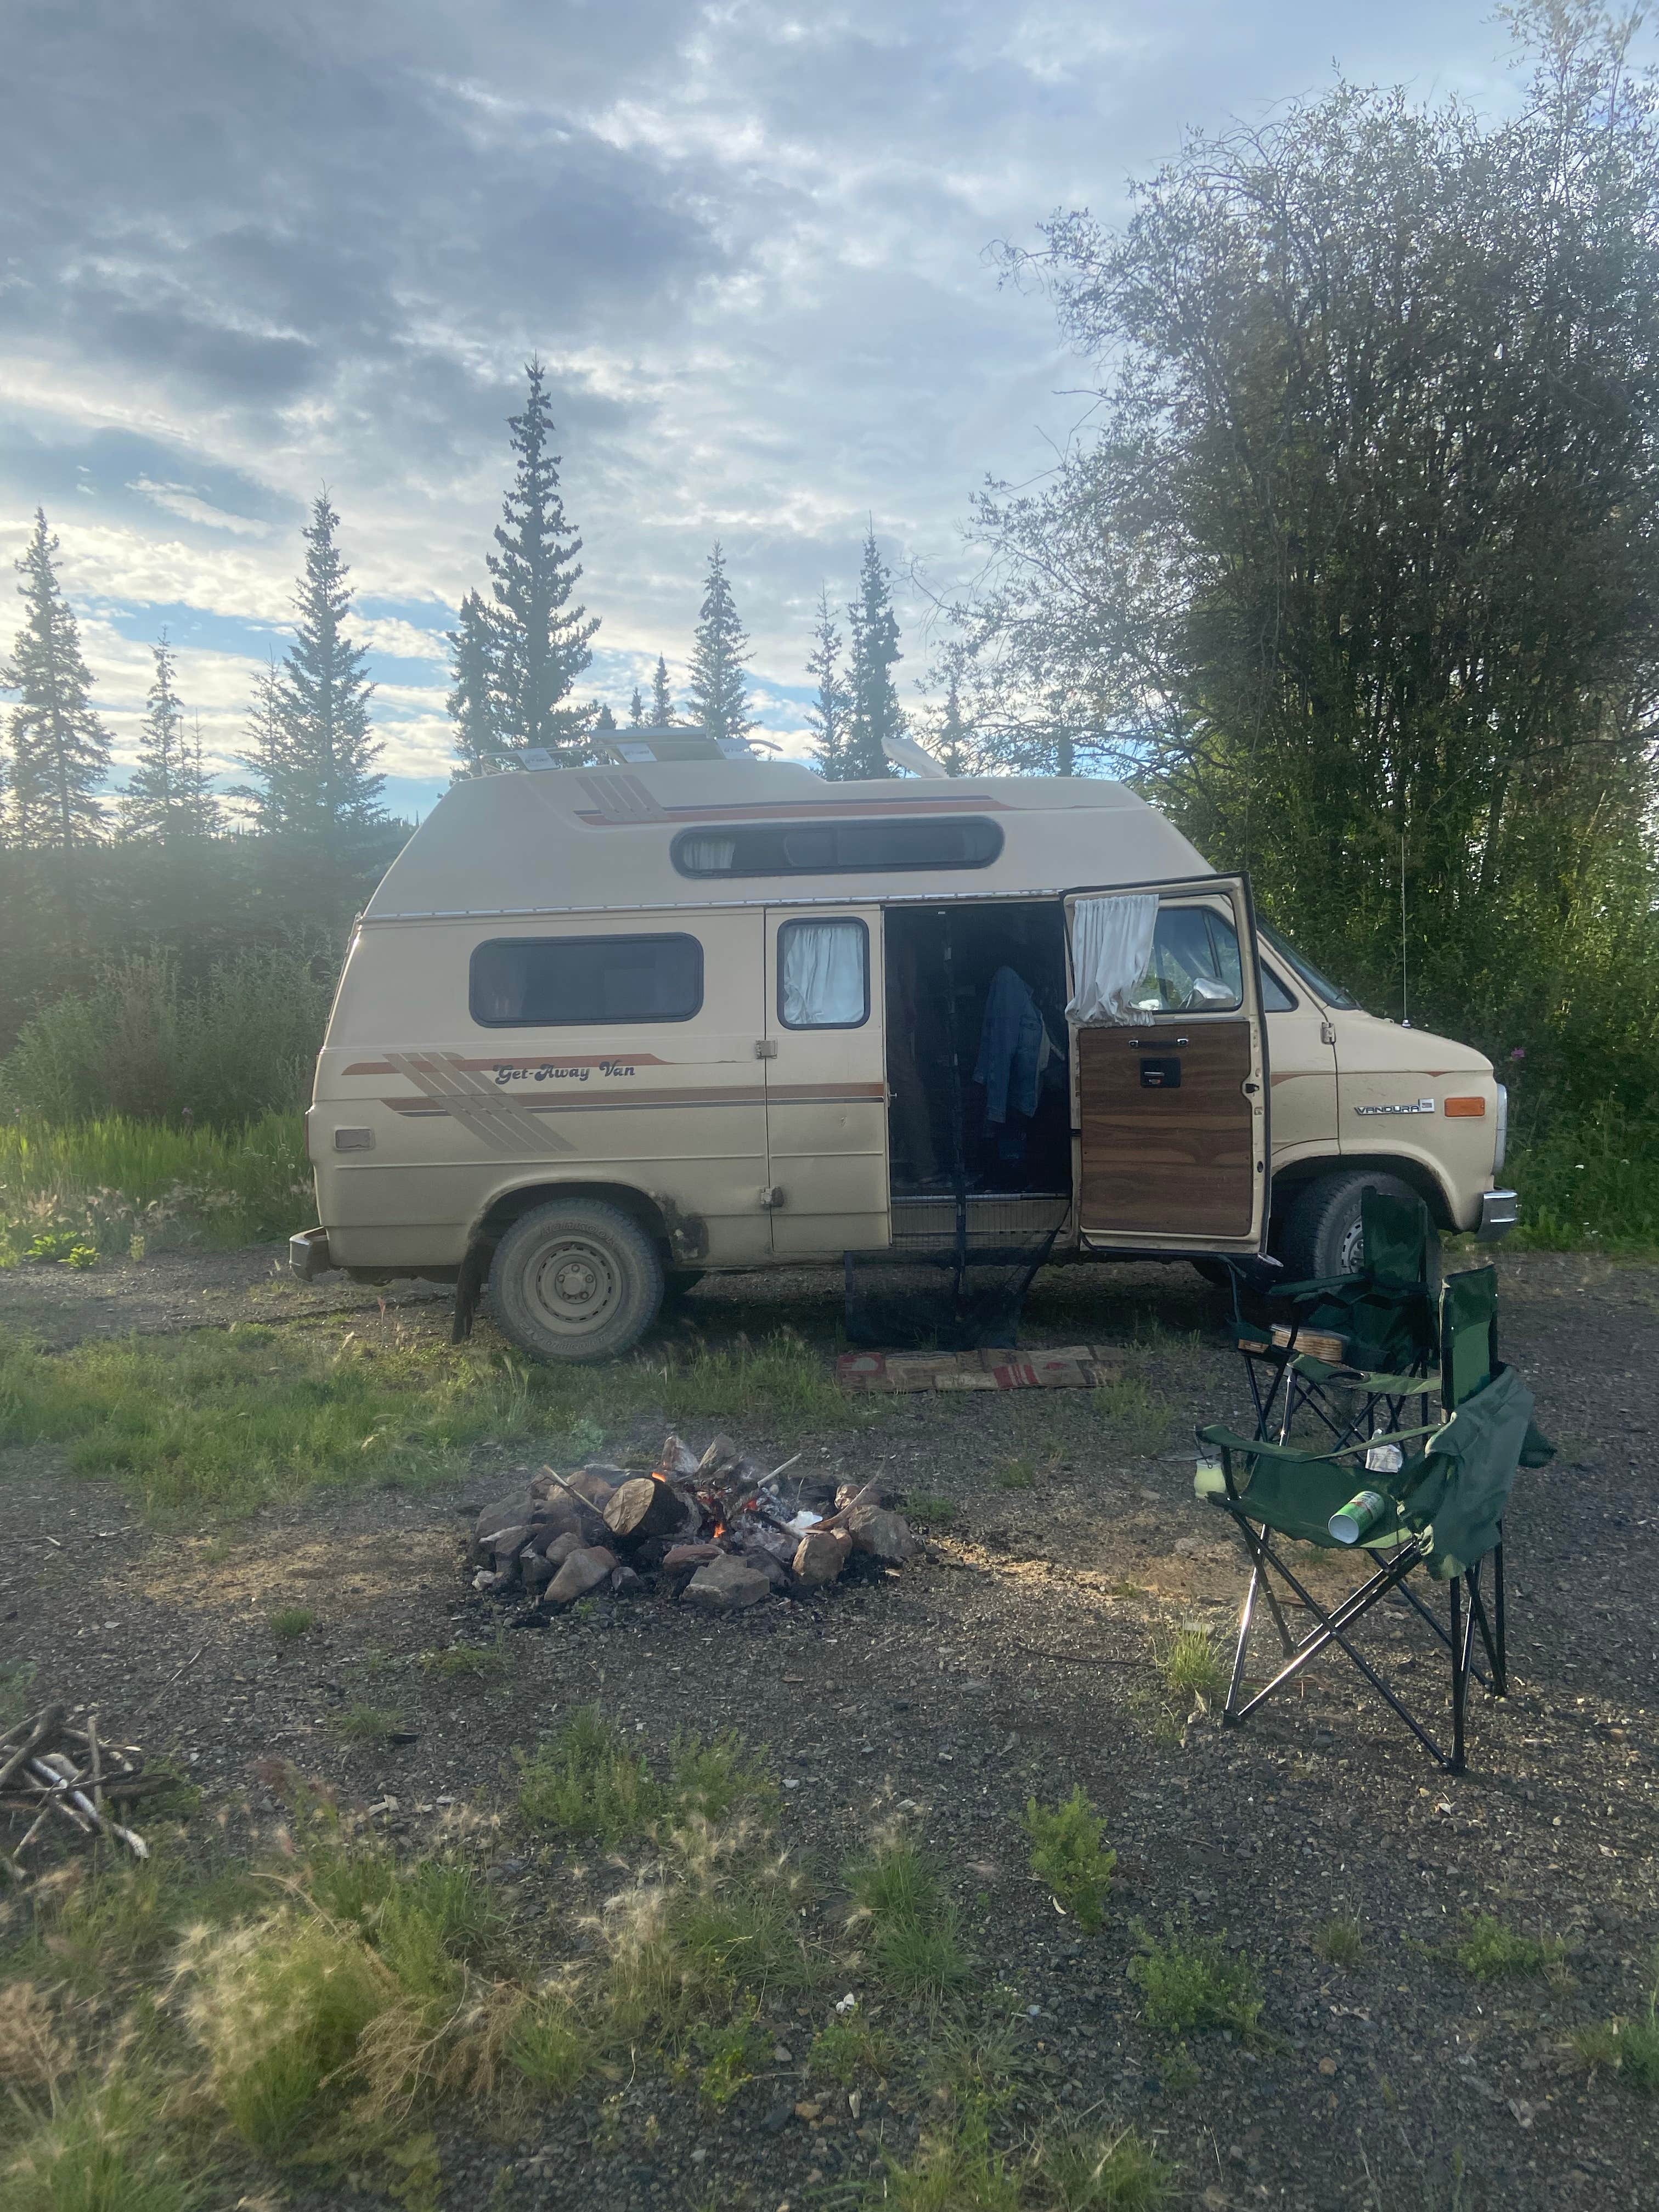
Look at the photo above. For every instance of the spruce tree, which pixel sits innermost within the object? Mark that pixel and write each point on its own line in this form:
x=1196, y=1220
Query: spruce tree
x=606, y=723
x=951, y=745
x=542, y=638
x=167, y=795
x=59, y=748
x=718, y=693
x=474, y=702
x=662, y=705
x=873, y=714
x=636, y=710
x=828, y=711
x=313, y=753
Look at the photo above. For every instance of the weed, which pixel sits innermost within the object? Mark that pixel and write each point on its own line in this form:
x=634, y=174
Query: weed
x=1018, y=1474
x=366, y=1725
x=955, y=2170
x=548, y=2047
x=291, y=1622
x=16, y=1684
x=1190, y=1981
x=1630, y=2048
x=714, y=1780
x=1066, y=1855
x=1341, y=1943
x=849, y=2047
x=913, y=1928
x=586, y=1784
x=1115, y=2173
x=731, y=2053
x=1139, y=1419
x=468, y=1663
x=99, y=2151
x=1192, y=1666
x=933, y=1512
x=1492, y=1952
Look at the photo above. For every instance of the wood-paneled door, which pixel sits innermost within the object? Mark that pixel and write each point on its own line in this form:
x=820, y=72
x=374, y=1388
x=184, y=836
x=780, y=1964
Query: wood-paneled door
x=1170, y=1105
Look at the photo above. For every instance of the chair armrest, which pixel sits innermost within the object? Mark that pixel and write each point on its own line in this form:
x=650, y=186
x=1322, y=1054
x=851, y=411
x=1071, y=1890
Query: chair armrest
x=1225, y=1439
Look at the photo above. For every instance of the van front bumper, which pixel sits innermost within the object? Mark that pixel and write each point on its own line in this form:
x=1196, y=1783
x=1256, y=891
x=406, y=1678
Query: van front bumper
x=308, y=1254
x=1500, y=1210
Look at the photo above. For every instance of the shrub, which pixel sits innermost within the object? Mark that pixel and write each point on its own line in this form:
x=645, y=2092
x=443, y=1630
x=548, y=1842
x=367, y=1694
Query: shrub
x=1066, y=1855
x=1192, y=1981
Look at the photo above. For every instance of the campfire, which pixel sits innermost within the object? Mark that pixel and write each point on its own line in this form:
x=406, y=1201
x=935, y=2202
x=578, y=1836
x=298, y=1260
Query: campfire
x=718, y=1533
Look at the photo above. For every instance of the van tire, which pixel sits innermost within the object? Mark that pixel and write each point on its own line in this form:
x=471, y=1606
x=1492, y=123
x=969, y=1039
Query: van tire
x=1321, y=1236
x=575, y=1280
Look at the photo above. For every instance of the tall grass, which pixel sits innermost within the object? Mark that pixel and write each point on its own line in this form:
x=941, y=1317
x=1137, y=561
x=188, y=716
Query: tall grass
x=1592, y=1185
x=100, y=1185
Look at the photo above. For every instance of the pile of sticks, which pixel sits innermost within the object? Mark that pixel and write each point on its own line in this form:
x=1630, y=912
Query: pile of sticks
x=58, y=1772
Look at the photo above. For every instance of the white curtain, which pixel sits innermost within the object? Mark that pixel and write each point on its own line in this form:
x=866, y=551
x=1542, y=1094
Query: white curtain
x=1111, y=946
x=707, y=856
x=824, y=982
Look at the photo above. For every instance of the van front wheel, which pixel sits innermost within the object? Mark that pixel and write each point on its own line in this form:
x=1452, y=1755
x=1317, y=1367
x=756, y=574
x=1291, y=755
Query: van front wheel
x=1323, y=1236
x=575, y=1280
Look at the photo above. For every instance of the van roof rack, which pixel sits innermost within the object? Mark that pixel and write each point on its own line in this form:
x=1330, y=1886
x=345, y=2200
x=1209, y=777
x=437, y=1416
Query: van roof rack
x=639, y=748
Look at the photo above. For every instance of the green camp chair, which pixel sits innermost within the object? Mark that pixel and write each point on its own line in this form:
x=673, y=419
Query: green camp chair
x=1360, y=1347
x=1442, y=1511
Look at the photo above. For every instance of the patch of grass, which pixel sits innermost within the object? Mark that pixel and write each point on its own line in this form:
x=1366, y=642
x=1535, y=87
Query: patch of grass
x=1112, y=2172
x=291, y=1622
x=16, y=1690
x=1140, y=1421
x=1066, y=1855
x=731, y=2054
x=1341, y=1943
x=366, y=1725
x=587, y=1785
x=714, y=1780
x=101, y=2149
x=1190, y=1981
x=1192, y=1668
x=1629, y=2048
x=230, y=1419
x=1492, y=1952
x=912, y=1926
x=94, y=1189
x=849, y=2047
x=933, y=1512
x=955, y=2169
x=550, y=2049
x=1590, y=1186
x=1018, y=1474
x=468, y=1663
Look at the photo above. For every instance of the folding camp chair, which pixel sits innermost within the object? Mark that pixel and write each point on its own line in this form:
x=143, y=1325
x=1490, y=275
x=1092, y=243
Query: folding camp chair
x=1358, y=1347
x=1442, y=1510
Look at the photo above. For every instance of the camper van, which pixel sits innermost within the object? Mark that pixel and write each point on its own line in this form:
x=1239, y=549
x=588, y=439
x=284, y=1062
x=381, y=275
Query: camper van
x=601, y=1032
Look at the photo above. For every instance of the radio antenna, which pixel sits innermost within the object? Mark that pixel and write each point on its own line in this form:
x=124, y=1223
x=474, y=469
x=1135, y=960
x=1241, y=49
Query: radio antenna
x=1405, y=1016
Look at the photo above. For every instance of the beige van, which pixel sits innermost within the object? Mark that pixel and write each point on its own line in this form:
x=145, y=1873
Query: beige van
x=602, y=1030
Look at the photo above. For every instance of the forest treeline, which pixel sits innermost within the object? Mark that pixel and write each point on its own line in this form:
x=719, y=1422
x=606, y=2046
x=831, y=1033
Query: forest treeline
x=1352, y=570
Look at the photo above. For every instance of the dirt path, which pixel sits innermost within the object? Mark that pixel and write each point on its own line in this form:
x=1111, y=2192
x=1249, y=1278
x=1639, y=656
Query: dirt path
x=1017, y=1662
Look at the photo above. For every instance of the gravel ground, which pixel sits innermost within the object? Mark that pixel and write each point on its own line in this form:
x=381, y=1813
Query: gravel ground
x=1016, y=1660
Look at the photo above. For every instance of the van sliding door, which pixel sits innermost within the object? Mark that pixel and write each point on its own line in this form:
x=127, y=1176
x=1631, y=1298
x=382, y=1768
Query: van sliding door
x=826, y=1081
x=1171, y=1085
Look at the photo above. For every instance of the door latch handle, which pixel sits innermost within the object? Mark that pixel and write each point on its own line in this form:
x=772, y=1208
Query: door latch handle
x=1249, y=1088
x=771, y=1197
x=766, y=1047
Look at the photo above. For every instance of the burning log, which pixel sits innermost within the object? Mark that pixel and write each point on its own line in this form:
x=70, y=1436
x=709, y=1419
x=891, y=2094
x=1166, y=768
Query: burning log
x=649, y=1506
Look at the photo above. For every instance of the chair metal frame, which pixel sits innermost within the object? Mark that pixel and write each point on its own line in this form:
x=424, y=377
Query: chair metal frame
x=1469, y=1609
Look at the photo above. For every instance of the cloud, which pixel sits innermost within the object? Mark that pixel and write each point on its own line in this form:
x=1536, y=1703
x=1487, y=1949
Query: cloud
x=247, y=250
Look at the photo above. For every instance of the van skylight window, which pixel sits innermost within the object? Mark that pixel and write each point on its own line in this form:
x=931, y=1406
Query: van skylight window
x=836, y=848
x=559, y=982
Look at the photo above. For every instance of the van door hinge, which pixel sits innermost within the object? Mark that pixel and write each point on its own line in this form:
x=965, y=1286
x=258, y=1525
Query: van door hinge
x=1327, y=1034
x=766, y=1047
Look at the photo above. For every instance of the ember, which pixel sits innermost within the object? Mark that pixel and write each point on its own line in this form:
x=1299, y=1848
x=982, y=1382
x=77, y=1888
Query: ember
x=717, y=1532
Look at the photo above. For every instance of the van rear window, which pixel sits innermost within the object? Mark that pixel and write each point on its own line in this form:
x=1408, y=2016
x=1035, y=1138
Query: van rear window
x=556, y=982
x=836, y=848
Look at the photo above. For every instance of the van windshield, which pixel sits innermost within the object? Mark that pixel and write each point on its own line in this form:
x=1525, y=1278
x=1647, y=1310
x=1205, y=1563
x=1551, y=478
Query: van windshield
x=1332, y=993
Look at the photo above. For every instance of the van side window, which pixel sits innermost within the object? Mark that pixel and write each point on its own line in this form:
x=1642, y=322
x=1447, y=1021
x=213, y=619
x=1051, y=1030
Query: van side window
x=823, y=974
x=1194, y=967
x=556, y=982
x=836, y=848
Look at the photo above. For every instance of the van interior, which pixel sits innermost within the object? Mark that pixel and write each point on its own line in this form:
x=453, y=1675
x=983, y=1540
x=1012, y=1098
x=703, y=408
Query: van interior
x=977, y=1058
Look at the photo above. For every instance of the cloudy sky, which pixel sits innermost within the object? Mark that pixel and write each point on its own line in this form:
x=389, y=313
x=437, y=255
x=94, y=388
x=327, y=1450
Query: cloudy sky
x=246, y=249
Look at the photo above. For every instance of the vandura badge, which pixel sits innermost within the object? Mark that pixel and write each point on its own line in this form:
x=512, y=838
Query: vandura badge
x=1419, y=1106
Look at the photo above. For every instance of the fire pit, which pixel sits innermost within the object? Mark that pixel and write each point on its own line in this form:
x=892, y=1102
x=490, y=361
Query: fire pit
x=717, y=1532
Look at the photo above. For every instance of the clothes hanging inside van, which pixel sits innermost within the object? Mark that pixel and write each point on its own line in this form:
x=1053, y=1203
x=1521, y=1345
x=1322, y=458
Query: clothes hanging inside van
x=1015, y=1049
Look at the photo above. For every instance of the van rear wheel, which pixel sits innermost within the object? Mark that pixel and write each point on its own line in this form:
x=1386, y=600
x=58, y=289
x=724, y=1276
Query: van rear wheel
x=575, y=1280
